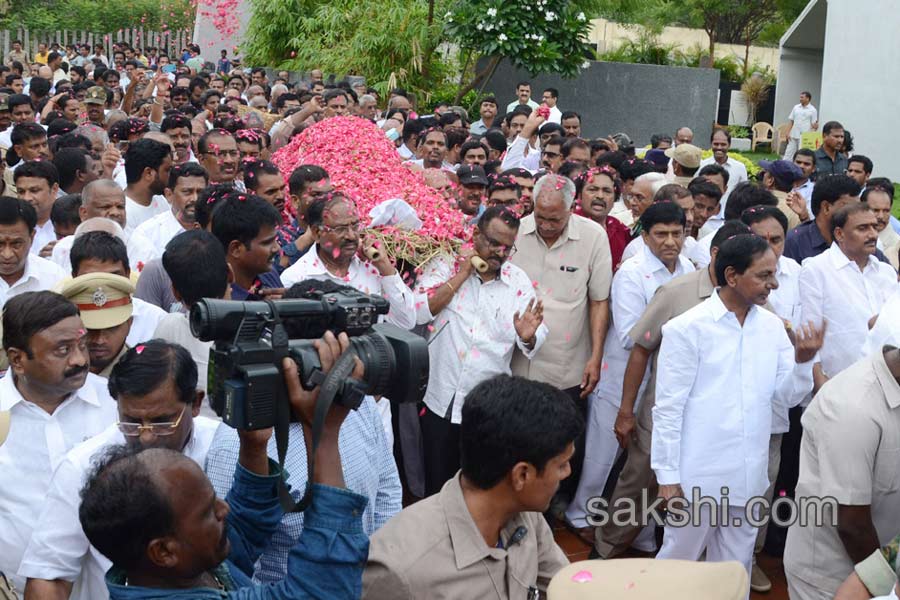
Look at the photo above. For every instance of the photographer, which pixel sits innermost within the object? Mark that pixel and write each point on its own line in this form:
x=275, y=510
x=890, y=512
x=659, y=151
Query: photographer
x=185, y=542
x=368, y=465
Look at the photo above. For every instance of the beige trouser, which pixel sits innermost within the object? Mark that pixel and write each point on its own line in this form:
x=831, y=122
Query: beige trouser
x=611, y=540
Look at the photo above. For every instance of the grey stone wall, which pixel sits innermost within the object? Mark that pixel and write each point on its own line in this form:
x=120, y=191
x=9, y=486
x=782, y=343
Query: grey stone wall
x=639, y=100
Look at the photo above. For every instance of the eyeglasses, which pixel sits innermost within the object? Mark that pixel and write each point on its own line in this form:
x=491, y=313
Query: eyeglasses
x=157, y=429
x=499, y=247
x=224, y=153
x=548, y=154
x=343, y=230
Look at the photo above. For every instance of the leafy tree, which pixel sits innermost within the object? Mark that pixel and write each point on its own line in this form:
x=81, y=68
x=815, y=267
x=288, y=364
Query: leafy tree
x=98, y=16
x=390, y=42
x=540, y=36
x=408, y=42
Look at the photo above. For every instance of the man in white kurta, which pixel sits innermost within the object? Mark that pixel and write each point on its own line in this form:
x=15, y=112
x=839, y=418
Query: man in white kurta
x=476, y=320
x=53, y=403
x=336, y=228
x=632, y=289
x=845, y=287
x=59, y=554
x=722, y=366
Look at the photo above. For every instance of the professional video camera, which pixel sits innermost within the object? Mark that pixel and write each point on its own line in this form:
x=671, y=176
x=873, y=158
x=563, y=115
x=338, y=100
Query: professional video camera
x=245, y=384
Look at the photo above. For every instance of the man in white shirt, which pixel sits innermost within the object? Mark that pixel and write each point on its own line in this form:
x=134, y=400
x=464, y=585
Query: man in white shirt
x=633, y=286
x=147, y=164
x=520, y=153
x=476, y=319
x=879, y=200
x=101, y=252
x=37, y=182
x=149, y=239
x=336, y=228
x=158, y=403
x=523, y=97
x=845, y=287
x=21, y=271
x=713, y=415
x=550, y=97
x=804, y=117
x=53, y=402
x=101, y=199
x=737, y=172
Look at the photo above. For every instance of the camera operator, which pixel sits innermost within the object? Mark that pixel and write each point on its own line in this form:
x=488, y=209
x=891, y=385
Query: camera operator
x=155, y=388
x=182, y=541
x=336, y=227
x=367, y=460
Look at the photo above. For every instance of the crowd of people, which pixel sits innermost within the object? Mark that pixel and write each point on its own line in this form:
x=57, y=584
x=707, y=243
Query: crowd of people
x=620, y=327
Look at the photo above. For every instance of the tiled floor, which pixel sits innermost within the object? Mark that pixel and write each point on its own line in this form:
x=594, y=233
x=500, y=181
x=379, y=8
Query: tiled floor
x=577, y=550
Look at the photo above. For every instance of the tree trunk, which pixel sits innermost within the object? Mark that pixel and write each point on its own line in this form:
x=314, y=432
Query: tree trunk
x=430, y=12
x=480, y=78
x=746, y=54
x=712, y=46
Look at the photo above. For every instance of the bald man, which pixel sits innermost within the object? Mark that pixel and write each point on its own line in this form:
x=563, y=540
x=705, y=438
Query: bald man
x=103, y=200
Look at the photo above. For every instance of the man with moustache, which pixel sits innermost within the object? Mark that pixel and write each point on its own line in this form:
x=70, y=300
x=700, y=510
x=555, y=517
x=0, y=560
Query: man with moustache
x=597, y=192
x=155, y=388
x=472, y=187
x=845, y=287
x=53, y=403
x=182, y=190
x=101, y=198
x=336, y=227
x=104, y=300
x=466, y=302
x=219, y=155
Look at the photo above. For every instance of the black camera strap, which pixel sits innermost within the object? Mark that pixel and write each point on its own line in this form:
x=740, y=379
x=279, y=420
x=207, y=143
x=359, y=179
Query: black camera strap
x=328, y=391
x=280, y=341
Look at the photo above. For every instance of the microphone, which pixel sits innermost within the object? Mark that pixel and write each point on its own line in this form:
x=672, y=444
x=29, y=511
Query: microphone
x=517, y=536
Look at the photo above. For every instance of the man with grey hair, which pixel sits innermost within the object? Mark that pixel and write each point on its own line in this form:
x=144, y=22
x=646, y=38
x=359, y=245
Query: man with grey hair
x=368, y=107
x=567, y=258
x=642, y=193
x=101, y=198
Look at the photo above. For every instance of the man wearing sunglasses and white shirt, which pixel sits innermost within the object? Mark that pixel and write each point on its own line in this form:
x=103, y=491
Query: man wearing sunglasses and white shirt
x=155, y=387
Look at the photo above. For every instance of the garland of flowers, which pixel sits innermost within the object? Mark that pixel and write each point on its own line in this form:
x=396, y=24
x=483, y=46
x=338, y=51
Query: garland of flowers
x=363, y=164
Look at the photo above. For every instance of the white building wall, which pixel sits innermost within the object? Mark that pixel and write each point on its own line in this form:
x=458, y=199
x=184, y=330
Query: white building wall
x=861, y=77
x=801, y=70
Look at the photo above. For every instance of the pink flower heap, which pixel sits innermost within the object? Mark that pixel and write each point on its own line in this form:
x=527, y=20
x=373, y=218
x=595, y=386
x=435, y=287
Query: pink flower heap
x=364, y=164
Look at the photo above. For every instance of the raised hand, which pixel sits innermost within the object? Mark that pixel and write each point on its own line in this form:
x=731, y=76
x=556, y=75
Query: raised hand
x=528, y=322
x=808, y=341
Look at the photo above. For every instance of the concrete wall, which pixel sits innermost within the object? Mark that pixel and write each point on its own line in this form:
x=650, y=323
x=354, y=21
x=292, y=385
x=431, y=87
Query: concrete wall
x=859, y=77
x=639, y=100
x=210, y=39
x=801, y=70
x=608, y=35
